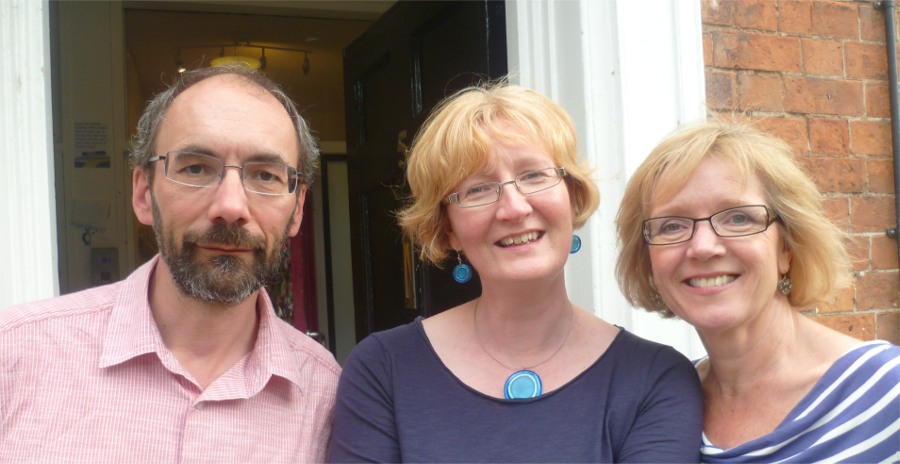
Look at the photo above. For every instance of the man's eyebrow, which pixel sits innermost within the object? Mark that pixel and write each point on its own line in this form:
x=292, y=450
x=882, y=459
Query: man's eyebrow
x=267, y=158
x=262, y=157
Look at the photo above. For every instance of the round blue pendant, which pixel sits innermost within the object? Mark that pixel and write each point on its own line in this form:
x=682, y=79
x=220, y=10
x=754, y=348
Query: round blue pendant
x=462, y=273
x=576, y=244
x=522, y=384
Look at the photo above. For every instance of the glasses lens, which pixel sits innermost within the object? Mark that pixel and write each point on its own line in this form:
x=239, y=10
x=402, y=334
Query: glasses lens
x=743, y=220
x=477, y=195
x=269, y=178
x=535, y=181
x=194, y=169
x=666, y=230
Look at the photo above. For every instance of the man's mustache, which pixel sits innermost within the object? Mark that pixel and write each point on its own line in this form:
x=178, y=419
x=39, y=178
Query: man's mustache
x=225, y=234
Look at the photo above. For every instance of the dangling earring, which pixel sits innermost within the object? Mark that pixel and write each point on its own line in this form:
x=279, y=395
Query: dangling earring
x=655, y=296
x=785, y=285
x=462, y=272
x=657, y=300
x=576, y=244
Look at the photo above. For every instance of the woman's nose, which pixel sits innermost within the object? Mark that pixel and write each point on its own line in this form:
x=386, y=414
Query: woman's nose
x=705, y=243
x=513, y=204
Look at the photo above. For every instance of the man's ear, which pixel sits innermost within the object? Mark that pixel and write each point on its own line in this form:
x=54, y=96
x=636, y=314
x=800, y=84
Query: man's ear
x=298, y=211
x=141, y=199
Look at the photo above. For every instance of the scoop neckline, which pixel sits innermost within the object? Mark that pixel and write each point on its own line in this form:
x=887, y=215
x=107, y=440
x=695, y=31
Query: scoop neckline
x=421, y=329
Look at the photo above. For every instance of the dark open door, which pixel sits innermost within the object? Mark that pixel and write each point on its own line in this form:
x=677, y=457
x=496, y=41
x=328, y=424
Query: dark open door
x=394, y=74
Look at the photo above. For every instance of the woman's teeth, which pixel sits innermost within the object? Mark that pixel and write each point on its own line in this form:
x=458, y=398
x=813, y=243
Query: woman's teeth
x=520, y=239
x=711, y=282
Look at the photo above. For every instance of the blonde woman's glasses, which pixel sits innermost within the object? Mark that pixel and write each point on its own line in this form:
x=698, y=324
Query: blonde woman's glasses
x=732, y=222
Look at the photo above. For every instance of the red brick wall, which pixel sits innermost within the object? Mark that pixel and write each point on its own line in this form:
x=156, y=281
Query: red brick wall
x=814, y=72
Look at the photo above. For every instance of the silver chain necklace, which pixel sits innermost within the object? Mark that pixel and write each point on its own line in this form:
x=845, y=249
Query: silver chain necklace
x=524, y=383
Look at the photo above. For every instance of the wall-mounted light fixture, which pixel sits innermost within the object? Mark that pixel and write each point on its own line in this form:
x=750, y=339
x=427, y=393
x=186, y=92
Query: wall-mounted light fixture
x=254, y=63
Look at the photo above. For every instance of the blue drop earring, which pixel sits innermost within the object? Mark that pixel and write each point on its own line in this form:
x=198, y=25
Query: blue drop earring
x=576, y=244
x=462, y=272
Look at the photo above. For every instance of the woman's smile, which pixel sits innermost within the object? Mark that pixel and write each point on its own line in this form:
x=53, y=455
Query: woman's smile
x=520, y=239
x=710, y=282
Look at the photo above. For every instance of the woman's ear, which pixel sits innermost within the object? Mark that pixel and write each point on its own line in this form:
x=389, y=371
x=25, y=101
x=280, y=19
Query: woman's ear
x=451, y=236
x=785, y=255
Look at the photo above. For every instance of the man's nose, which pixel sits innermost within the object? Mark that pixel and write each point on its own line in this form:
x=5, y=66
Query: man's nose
x=230, y=202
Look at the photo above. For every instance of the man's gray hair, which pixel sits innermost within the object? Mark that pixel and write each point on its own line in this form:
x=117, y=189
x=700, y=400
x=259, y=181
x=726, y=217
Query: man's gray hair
x=144, y=144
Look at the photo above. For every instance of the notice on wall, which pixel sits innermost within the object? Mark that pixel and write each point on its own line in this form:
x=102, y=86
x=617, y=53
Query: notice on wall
x=91, y=139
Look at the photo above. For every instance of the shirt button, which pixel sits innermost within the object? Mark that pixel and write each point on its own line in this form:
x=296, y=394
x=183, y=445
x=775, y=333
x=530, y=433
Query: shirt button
x=200, y=405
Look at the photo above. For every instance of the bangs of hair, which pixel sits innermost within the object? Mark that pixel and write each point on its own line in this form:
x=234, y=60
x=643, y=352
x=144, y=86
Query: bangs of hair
x=458, y=139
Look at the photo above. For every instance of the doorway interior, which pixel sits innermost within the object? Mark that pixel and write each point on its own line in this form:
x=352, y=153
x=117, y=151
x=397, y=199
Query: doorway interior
x=156, y=38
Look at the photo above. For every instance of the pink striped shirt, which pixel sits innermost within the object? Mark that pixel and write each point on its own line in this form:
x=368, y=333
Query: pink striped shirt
x=86, y=378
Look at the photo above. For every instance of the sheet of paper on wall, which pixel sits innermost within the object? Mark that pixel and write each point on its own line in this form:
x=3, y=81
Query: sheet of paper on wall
x=91, y=139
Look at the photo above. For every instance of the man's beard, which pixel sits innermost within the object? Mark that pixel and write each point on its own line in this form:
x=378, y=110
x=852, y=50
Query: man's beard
x=223, y=279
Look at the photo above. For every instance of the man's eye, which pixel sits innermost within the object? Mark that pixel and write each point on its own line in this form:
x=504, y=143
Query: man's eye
x=195, y=169
x=266, y=176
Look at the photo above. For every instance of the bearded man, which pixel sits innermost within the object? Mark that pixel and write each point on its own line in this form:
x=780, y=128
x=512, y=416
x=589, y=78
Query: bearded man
x=185, y=360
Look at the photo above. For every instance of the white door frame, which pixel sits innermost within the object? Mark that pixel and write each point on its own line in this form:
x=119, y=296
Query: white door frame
x=28, y=249
x=628, y=73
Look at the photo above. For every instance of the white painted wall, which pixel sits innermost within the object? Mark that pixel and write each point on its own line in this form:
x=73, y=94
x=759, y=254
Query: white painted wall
x=628, y=73
x=28, y=257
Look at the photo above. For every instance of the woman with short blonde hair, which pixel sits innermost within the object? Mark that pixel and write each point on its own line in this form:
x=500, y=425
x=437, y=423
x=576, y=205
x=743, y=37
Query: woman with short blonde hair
x=720, y=227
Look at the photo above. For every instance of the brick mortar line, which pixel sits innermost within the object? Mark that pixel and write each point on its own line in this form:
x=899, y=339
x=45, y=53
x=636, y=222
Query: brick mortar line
x=797, y=35
x=709, y=27
x=780, y=114
x=824, y=77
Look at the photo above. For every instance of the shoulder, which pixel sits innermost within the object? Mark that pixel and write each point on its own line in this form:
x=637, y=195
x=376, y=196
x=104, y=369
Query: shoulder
x=396, y=341
x=308, y=350
x=87, y=303
x=637, y=351
x=874, y=358
x=637, y=361
x=381, y=351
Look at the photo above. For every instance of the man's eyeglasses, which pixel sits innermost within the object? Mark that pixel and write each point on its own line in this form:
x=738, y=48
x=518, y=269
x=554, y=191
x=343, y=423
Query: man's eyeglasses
x=489, y=192
x=206, y=171
x=732, y=222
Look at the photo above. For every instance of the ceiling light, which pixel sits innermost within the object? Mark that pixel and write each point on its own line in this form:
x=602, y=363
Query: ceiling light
x=254, y=63
x=178, y=64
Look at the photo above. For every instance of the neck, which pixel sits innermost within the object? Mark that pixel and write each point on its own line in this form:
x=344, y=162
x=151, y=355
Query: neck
x=521, y=326
x=755, y=352
x=207, y=338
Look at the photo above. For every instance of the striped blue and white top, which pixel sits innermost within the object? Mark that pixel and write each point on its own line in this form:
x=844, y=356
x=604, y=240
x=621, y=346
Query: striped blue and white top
x=852, y=414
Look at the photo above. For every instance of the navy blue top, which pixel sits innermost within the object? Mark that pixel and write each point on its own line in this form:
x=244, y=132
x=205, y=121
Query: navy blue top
x=397, y=402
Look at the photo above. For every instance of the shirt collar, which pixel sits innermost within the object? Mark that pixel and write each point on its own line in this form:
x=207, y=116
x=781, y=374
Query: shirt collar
x=272, y=354
x=131, y=332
